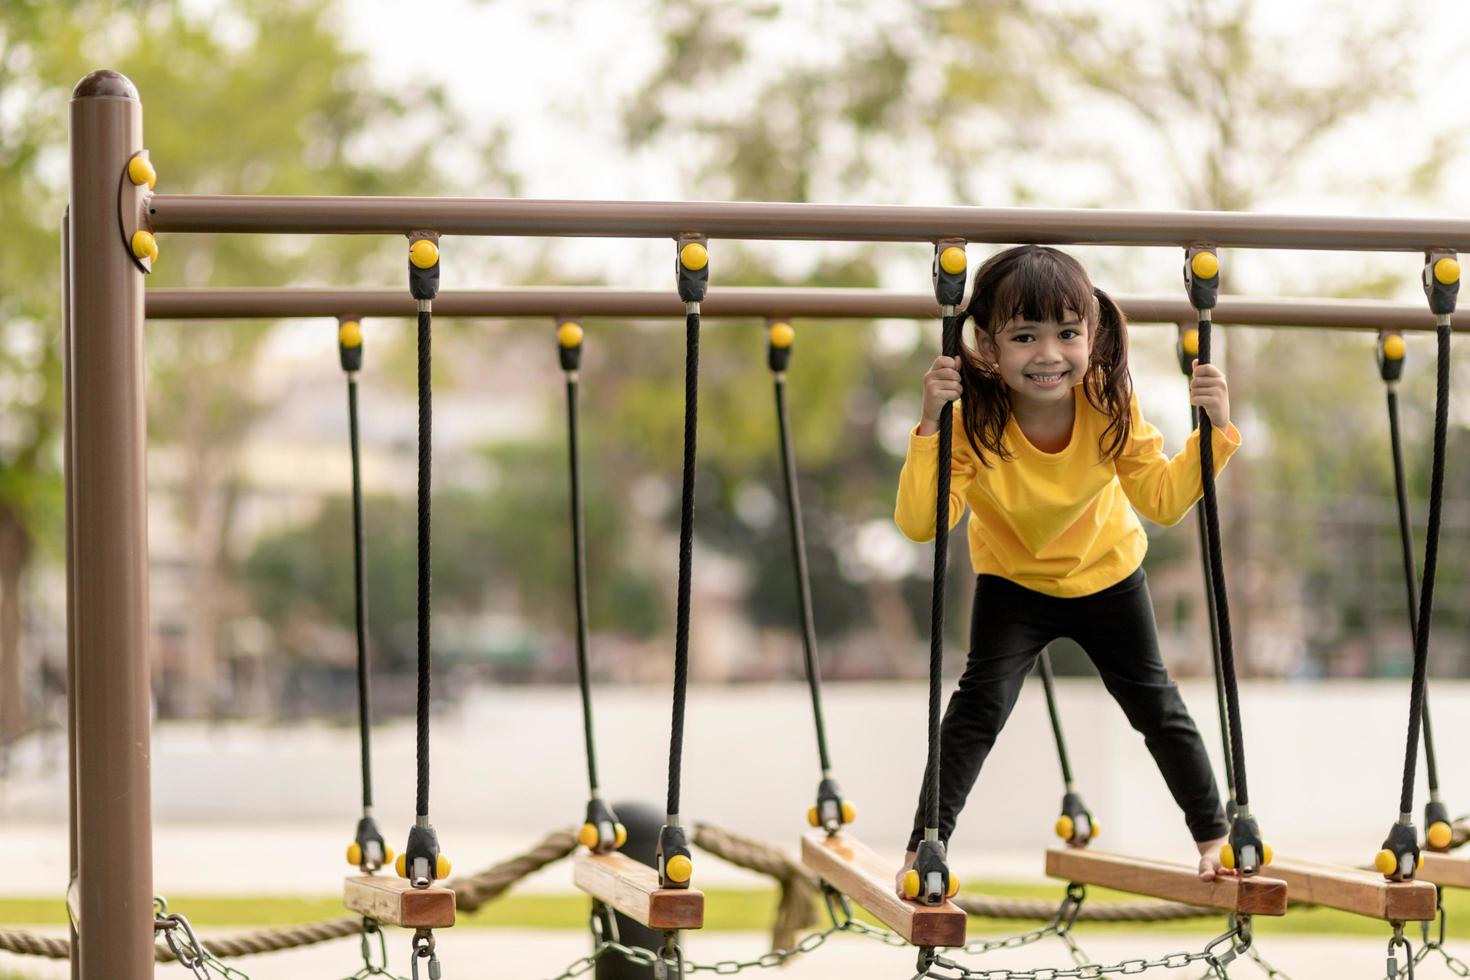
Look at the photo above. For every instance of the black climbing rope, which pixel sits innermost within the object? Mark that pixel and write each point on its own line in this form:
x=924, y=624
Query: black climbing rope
x=675, y=861
x=831, y=810
x=367, y=851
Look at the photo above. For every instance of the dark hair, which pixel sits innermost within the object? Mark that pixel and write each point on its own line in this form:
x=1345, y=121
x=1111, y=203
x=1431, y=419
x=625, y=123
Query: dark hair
x=1037, y=282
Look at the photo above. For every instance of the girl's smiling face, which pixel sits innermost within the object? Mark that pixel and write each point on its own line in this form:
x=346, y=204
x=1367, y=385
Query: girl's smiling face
x=1041, y=360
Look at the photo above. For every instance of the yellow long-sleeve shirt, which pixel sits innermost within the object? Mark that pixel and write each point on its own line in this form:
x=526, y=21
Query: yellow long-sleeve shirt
x=1057, y=523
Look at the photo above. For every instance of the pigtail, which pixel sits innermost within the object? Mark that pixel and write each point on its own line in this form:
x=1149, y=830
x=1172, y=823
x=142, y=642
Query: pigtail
x=1108, y=385
x=985, y=403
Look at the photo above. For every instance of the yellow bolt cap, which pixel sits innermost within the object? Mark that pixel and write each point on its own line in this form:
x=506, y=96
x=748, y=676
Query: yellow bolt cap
x=441, y=868
x=140, y=171
x=1268, y=853
x=423, y=253
x=782, y=335
x=1095, y=830
x=911, y=884
x=694, y=256
x=812, y=818
x=620, y=835
x=1385, y=862
x=1394, y=347
x=349, y=334
x=1227, y=857
x=952, y=260
x=1447, y=271
x=401, y=866
x=1190, y=342
x=679, y=868
x=354, y=853
x=849, y=812
x=145, y=246
x=954, y=886
x=1439, y=834
x=569, y=334
x=387, y=854
x=1064, y=827
x=1206, y=265
x=587, y=836
x=1419, y=865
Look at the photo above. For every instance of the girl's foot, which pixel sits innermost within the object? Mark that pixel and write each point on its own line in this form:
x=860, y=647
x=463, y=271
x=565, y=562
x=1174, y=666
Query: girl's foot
x=1210, y=867
x=908, y=864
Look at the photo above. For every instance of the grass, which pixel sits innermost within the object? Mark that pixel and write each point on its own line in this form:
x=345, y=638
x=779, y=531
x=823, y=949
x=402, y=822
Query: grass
x=726, y=910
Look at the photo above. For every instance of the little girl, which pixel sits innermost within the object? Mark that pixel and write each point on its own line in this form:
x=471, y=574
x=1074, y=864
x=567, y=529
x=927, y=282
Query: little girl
x=1053, y=457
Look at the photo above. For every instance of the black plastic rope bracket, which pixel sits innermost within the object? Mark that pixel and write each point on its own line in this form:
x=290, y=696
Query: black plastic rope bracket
x=421, y=856
x=932, y=865
x=949, y=287
x=606, y=833
x=1441, y=295
x=372, y=850
x=1246, y=844
x=1075, y=824
x=693, y=283
x=672, y=843
x=1203, y=290
x=423, y=283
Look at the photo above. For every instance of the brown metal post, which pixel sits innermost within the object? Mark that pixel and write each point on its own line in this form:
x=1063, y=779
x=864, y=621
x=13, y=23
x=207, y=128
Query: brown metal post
x=108, y=558
x=71, y=701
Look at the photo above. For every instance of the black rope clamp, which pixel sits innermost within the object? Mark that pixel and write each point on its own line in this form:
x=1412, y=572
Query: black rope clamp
x=949, y=267
x=1202, y=276
x=1399, y=859
x=692, y=267
x=601, y=832
x=421, y=863
x=1390, y=352
x=779, y=338
x=675, y=859
x=929, y=881
x=1441, y=281
x=423, y=264
x=1075, y=825
x=1439, y=829
x=367, y=850
x=831, y=811
x=1186, y=348
x=1246, y=852
x=349, y=343
x=569, y=344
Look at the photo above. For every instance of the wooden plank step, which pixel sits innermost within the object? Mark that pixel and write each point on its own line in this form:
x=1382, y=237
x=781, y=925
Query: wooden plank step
x=1357, y=891
x=855, y=870
x=395, y=902
x=1446, y=870
x=1255, y=895
x=632, y=888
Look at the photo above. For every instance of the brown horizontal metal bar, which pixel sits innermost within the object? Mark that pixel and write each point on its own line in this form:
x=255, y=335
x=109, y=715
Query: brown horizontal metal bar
x=753, y=220
x=581, y=301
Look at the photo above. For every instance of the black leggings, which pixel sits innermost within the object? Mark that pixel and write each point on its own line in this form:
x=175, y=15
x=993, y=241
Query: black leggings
x=1009, y=626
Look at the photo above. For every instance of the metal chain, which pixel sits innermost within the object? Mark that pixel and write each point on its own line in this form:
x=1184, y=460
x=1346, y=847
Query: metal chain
x=1236, y=941
x=1430, y=945
x=371, y=929
x=1270, y=971
x=190, y=952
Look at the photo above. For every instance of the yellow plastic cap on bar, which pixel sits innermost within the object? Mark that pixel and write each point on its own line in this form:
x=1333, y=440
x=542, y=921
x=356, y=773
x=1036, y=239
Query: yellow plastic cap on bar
x=782, y=335
x=569, y=334
x=1206, y=265
x=679, y=868
x=954, y=885
x=911, y=884
x=140, y=172
x=442, y=868
x=1064, y=827
x=1385, y=862
x=620, y=835
x=952, y=260
x=849, y=812
x=349, y=334
x=354, y=853
x=1190, y=342
x=1439, y=834
x=1394, y=347
x=401, y=866
x=1447, y=271
x=144, y=245
x=694, y=256
x=1268, y=853
x=812, y=818
x=423, y=253
x=1227, y=856
x=587, y=836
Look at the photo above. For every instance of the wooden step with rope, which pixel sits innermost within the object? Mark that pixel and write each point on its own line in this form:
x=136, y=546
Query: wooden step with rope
x=1361, y=892
x=633, y=889
x=1445, y=870
x=1255, y=895
x=856, y=871
x=395, y=902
